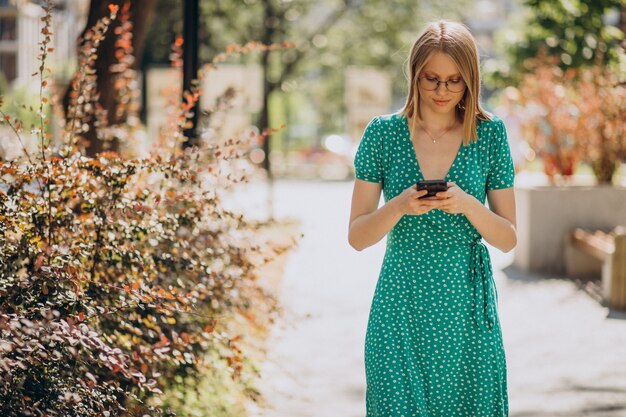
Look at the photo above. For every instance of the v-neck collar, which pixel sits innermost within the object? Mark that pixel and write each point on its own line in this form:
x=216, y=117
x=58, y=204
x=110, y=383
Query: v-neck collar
x=407, y=131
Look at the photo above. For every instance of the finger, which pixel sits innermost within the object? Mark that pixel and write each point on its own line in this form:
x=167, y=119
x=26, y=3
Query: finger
x=432, y=202
x=443, y=195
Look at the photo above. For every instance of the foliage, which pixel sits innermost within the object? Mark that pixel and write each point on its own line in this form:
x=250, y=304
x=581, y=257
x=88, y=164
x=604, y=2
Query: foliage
x=575, y=115
x=116, y=273
x=375, y=34
x=114, y=69
x=214, y=393
x=365, y=33
x=575, y=32
x=21, y=103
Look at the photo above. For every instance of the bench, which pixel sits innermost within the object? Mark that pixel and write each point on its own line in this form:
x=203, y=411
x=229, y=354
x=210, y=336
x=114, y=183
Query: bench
x=609, y=248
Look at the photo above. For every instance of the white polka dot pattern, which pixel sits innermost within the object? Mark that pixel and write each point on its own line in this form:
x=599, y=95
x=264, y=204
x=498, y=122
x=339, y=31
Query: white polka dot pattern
x=433, y=346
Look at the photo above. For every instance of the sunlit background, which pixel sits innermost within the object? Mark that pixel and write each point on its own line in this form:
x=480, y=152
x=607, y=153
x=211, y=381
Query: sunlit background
x=553, y=70
x=348, y=65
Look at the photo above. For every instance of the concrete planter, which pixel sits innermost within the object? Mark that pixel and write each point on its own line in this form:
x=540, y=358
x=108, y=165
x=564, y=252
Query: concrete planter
x=546, y=214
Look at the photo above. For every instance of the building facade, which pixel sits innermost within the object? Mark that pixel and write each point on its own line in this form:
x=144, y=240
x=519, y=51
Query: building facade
x=20, y=34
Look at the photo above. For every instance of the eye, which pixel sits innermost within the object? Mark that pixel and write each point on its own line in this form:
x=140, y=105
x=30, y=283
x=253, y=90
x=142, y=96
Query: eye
x=431, y=79
x=455, y=81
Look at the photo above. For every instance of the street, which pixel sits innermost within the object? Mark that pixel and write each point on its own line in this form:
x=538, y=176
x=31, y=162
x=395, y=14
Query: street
x=565, y=357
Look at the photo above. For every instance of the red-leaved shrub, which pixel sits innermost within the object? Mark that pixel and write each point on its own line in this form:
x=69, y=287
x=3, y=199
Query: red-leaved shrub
x=115, y=273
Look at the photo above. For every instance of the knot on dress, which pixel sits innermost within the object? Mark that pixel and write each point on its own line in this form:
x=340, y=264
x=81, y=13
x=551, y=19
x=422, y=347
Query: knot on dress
x=484, y=292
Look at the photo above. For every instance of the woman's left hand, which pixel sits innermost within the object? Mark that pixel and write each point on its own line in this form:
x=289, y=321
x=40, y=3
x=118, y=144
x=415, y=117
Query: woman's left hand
x=453, y=201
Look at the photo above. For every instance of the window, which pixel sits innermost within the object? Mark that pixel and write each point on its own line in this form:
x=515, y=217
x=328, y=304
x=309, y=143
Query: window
x=8, y=28
x=8, y=65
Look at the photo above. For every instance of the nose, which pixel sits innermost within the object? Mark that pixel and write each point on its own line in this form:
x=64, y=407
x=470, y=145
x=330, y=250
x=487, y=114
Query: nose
x=442, y=85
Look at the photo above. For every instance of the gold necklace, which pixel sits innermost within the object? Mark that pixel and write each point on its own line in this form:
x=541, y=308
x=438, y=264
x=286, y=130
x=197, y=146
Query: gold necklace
x=431, y=136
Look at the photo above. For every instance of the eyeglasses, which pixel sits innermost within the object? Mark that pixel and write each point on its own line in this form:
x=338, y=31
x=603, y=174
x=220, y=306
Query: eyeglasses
x=431, y=84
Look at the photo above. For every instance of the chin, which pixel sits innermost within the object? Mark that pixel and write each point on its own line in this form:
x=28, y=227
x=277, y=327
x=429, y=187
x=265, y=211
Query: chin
x=443, y=110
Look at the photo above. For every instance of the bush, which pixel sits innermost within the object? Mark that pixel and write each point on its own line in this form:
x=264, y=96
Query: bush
x=115, y=273
x=576, y=115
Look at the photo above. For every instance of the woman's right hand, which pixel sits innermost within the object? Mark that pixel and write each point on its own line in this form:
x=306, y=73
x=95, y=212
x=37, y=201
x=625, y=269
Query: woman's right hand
x=408, y=201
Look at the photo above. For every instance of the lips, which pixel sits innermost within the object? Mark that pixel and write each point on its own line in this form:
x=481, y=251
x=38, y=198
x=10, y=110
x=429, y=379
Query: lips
x=441, y=102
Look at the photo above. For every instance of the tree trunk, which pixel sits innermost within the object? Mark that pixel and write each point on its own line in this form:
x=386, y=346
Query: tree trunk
x=269, y=22
x=140, y=15
x=190, y=64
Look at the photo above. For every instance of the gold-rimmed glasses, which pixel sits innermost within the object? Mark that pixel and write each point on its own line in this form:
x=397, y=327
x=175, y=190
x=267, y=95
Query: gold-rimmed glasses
x=455, y=85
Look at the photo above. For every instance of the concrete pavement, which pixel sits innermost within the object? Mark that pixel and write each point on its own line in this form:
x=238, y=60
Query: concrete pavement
x=565, y=357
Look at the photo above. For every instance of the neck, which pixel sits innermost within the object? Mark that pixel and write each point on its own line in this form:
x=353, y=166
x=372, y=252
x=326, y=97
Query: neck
x=435, y=122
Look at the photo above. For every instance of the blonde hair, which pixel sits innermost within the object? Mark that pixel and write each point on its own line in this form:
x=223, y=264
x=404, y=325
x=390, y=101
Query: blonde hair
x=455, y=40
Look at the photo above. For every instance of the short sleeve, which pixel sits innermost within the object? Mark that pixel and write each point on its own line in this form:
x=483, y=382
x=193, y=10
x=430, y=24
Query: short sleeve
x=501, y=172
x=368, y=158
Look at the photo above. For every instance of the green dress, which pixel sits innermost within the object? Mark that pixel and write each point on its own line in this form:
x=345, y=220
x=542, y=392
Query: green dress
x=433, y=346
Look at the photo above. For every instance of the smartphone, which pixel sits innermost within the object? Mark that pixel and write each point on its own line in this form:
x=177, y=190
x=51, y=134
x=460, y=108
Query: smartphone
x=432, y=186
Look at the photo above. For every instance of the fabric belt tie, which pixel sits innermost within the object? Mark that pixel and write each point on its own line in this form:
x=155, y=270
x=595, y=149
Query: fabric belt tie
x=485, y=297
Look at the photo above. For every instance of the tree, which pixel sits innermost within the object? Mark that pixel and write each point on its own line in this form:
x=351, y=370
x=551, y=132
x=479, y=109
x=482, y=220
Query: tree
x=328, y=35
x=137, y=19
x=576, y=32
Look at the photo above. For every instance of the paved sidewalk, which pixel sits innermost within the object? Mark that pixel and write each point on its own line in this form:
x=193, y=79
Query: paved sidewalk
x=564, y=356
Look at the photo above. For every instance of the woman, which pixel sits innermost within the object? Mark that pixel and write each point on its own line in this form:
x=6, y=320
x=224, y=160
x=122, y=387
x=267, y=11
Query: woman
x=434, y=346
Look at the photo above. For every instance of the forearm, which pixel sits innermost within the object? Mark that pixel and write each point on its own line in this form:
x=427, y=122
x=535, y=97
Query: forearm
x=368, y=229
x=496, y=230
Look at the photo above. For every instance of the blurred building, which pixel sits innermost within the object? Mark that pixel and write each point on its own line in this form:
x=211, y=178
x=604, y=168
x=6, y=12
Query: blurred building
x=20, y=34
x=237, y=87
x=367, y=94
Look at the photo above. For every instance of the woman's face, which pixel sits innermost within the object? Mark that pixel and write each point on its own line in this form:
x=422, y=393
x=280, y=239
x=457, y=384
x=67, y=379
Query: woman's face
x=440, y=67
